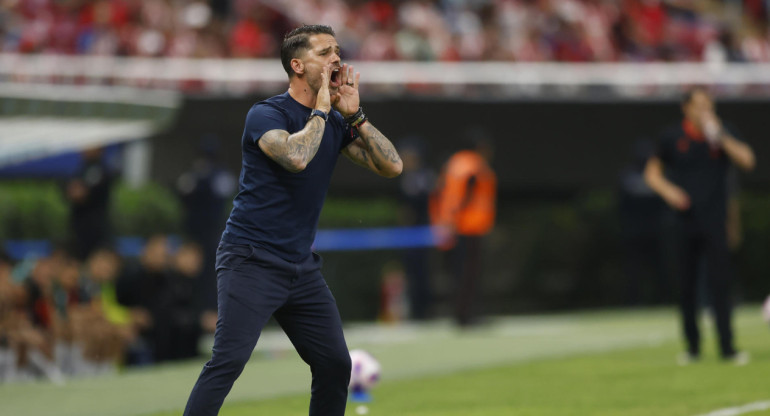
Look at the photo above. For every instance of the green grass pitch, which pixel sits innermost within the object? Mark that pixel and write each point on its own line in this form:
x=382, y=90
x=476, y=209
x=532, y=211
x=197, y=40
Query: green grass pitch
x=634, y=382
x=588, y=363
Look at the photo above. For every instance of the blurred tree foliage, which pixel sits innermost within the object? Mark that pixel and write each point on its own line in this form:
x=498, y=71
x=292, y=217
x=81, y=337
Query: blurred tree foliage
x=37, y=210
x=146, y=210
x=32, y=210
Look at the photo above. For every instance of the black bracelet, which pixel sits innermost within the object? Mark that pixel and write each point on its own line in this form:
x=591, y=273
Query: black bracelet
x=319, y=113
x=357, y=119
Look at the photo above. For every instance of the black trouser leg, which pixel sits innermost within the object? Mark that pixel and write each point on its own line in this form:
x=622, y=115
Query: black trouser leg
x=418, y=275
x=248, y=293
x=718, y=279
x=311, y=320
x=688, y=298
x=468, y=278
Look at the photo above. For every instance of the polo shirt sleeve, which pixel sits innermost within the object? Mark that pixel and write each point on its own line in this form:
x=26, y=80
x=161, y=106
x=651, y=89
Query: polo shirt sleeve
x=263, y=118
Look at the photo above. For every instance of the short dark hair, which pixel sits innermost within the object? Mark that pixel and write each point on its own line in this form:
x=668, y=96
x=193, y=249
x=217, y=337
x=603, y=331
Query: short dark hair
x=689, y=94
x=297, y=40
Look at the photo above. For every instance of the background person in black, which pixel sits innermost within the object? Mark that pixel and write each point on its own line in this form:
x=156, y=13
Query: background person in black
x=689, y=171
x=205, y=190
x=88, y=194
x=416, y=184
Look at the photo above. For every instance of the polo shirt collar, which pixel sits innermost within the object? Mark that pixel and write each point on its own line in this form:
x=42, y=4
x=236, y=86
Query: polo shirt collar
x=692, y=131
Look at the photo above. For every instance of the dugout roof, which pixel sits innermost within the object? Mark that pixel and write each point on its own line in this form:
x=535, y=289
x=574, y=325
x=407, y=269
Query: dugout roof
x=43, y=128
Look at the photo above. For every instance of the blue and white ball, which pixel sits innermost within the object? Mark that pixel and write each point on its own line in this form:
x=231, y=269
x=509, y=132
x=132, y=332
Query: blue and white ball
x=365, y=371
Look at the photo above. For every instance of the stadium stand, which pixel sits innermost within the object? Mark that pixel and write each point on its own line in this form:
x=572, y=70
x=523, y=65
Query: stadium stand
x=502, y=30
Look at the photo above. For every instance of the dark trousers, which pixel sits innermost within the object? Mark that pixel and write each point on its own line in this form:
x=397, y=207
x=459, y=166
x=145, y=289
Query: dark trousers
x=705, y=246
x=418, y=276
x=467, y=270
x=252, y=285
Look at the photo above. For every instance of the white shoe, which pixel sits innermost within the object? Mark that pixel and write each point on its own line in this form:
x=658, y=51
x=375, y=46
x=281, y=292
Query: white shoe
x=46, y=366
x=686, y=358
x=739, y=358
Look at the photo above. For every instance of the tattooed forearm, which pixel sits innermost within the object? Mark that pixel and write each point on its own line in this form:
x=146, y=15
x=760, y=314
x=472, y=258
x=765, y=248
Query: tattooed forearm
x=358, y=155
x=381, y=150
x=294, y=151
x=302, y=146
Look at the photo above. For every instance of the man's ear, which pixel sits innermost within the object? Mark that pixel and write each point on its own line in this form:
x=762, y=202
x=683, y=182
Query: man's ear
x=297, y=66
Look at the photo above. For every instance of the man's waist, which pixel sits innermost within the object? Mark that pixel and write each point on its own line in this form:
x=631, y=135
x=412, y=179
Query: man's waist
x=296, y=254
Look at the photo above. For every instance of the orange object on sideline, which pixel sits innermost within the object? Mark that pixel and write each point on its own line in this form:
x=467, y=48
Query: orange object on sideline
x=465, y=199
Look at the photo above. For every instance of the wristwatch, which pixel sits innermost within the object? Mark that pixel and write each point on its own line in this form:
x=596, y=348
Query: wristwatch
x=319, y=113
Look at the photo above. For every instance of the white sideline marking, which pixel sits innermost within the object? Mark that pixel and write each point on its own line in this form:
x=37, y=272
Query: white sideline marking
x=746, y=408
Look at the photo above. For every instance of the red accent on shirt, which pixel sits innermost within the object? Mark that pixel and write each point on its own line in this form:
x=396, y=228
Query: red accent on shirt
x=692, y=131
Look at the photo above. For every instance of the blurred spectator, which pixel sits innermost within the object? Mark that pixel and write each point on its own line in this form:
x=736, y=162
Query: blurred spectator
x=89, y=339
x=34, y=334
x=69, y=295
x=689, y=171
x=250, y=36
x=464, y=209
x=205, y=191
x=416, y=183
x=72, y=318
x=88, y=194
x=159, y=291
x=10, y=319
x=65, y=318
x=141, y=287
x=26, y=349
x=38, y=291
x=724, y=48
x=177, y=320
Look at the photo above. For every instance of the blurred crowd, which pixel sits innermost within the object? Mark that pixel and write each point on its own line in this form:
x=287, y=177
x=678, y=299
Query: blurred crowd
x=61, y=316
x=84, y=307
x=425, y=30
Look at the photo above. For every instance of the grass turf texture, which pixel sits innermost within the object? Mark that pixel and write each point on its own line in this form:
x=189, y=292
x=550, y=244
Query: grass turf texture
x=641, y=381
x=605, y=363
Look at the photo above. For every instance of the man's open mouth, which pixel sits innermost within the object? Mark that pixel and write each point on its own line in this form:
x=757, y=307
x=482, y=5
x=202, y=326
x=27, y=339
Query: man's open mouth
x=334, y=80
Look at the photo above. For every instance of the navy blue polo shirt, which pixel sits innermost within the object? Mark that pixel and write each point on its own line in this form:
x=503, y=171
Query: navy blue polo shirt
x=699, y=168
x=276, y=209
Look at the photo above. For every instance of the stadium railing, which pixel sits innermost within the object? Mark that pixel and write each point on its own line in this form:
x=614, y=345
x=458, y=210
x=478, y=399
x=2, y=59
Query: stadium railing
x=238, y=76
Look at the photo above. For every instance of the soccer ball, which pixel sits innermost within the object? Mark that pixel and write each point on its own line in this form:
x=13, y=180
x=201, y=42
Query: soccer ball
x=766, y=310
x=365, y=372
